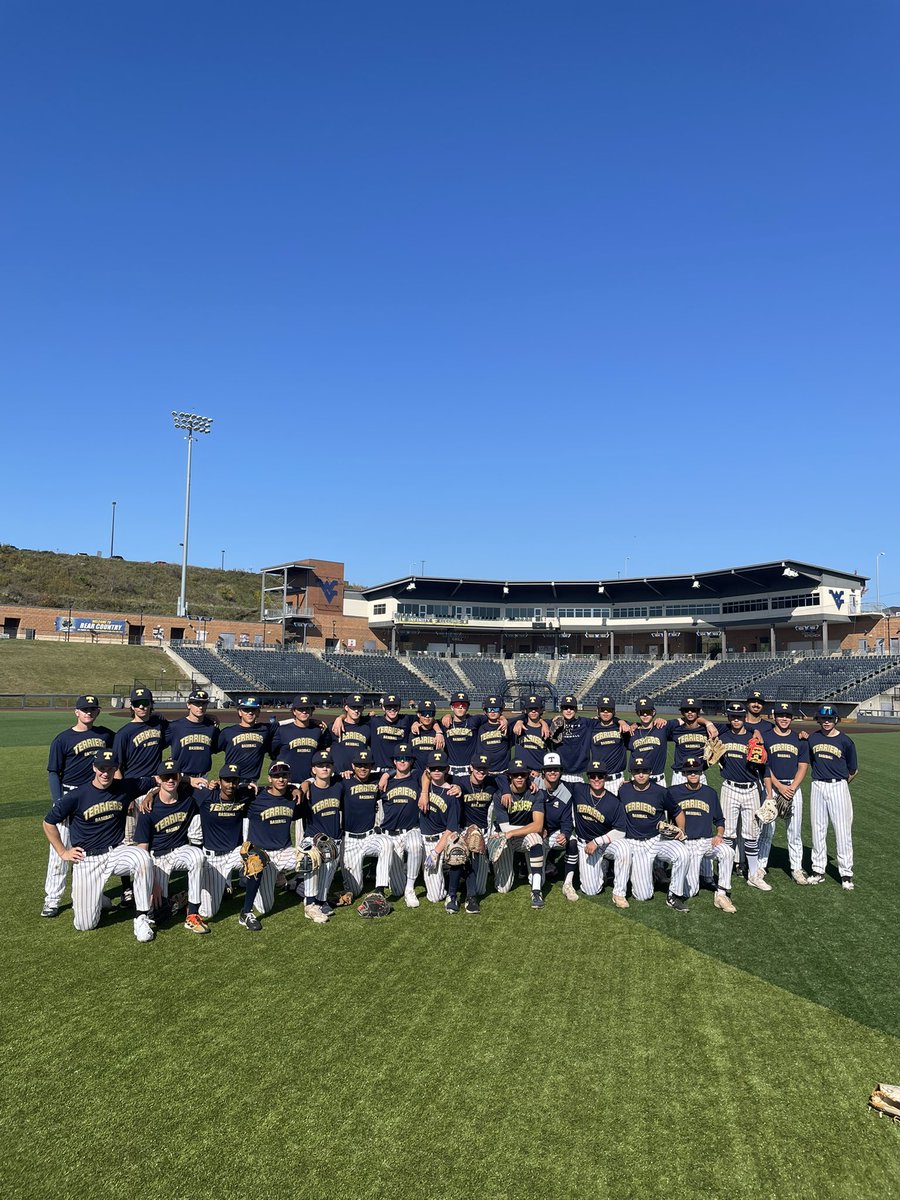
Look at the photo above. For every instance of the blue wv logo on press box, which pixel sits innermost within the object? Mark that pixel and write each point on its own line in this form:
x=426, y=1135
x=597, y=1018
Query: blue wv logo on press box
x=838, y=598
x=329, y=588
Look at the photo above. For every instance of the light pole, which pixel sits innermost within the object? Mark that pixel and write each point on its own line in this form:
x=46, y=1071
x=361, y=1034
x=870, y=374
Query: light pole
x=193, y=424
x=223, y=560
x=112, y=531
x=878, y=557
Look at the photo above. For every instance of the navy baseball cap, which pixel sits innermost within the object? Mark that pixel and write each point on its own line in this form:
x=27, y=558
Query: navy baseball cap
x=533, y=702
x=568, y=702
x=322, y=758
x=391, y=701
x=198, y=696
x=248, y=702
x=826, y=712
x=597, y=767
x=518, y=767
x=783, y=709
x=606, y=702
x=755, y=695
x=692, y=766
x=735, y=708
x=426, y=708
x=401, y=751
x=85, y=703
x=690, y=703
x=141, y=696
x=167, y=769
x=640, y=763
x=354, y=701
x=493, y=704
x=480, y=762
x=644, y=705
x=439, y=760
x=106, y=759
x=302, y=702
x=229, y=771
x=280, y=769
x=362, y=757
x=459, y=698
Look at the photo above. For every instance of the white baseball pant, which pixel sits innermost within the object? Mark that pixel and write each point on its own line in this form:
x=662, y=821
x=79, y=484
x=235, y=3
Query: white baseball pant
x=739, y=805
x=407, y=852
x=645, y=853
x=700, y=849
x=317, y=883
x=435, y=881
x=184, y=858
x=358, y=848
x=794, y=835
x=58, y=868
x=279, y=860
x=830, y=801
x=590, y=866
x=217, y=872
x=90, y=875
x=503, y=867
x=614, y=782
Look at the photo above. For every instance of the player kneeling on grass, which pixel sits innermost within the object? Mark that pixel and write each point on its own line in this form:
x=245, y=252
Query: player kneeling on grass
x=400, y=822
x=520, y=819
x=96, y=812
x=321, y=807
x=222, y=811
x=646, y=805
x=162, y=830
x=438, y=823
x=702, y=816
x=600, y=834
x=270, y=818
x=559, y=836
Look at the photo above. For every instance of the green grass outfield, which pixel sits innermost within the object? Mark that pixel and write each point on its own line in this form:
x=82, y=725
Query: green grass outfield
x=572, y=1052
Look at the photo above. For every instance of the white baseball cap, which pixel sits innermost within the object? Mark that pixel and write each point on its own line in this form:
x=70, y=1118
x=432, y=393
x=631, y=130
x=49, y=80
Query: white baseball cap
x=552, y=760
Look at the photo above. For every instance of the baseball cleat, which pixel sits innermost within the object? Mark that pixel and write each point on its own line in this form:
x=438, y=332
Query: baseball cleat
x=620, y=901
x=195, y=924
x=847, y=885
x=451, y=904
x=537, y=900
x=249, y=920
x=410, y=898
x=143, y=930
x=105, y=902
x=756, y=881
x=723, y=901
x=799, y=877
x=326, y=908
x=472, y=906
x=50, y=910
x=815, y=878
x=673, y=901
x=569, y=892
x=312, y=912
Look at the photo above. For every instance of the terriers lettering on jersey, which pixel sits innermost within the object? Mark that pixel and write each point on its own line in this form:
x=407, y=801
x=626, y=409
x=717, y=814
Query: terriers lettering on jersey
x=834, y=765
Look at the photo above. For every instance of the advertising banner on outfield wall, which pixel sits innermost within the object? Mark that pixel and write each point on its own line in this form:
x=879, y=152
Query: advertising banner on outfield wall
x=88, y=625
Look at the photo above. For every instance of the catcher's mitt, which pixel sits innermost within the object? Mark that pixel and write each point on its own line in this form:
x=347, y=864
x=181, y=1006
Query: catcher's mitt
x=713, y=750
x=767, y=812
x=253, y=860
x=432, y=861
x=885, y=1099
x=496, y=844
x=474, y=839
x=757, y=754
x=374, y=905
x=456, y=853
x=557, y=727
x=308, y=857
x=668, y=829
x=343, y=900
x=326, y=847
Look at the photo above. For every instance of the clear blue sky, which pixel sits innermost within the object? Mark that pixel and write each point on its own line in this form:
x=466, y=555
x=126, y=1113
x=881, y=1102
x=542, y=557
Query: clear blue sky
x=524, y=290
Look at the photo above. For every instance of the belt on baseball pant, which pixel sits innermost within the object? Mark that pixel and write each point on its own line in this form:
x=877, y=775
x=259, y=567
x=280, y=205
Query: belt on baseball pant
x=742, y=786
x=431, y=837
x=360, y=835
x=616, y=775
x=99, y=853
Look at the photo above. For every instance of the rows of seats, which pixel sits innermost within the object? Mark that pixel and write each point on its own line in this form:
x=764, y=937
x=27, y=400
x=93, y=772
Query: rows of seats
x=734, y=677
x=671, y=681
x=573, y=674
x=210, y=665
x=486, y=678
x=290, y=671
x=381, y=673
x=530, y=668
x=821, y=678
x=619, y=681
x=439, y=673
x=862, y=690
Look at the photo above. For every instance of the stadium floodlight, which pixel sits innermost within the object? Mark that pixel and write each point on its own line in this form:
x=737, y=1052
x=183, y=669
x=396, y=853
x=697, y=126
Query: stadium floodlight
x=696, y=582
x=506, y=589
x=193, y=424
x=600, y=589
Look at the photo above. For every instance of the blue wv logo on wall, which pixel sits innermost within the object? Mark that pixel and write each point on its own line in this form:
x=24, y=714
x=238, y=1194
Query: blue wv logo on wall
x=329, y=589
x=838, y=598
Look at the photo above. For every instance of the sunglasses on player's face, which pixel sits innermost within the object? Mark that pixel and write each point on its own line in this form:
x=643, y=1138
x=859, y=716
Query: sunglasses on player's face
x=141, y=704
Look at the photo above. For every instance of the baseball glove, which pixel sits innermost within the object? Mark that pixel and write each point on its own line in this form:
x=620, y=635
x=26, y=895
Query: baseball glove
x=374, y=905
x=713, y=751
x=432, y=861
x=783, y=806
x=456, y=853
x=308, y=857
x=668, y=829
x=253, y=860
x=474, y=839
x=767, y=812
x=496, y=844
x=178, y=903
x=326, y=847
x=343, y=900
x=557, y=727
x=757, y=754
x=885, y=1099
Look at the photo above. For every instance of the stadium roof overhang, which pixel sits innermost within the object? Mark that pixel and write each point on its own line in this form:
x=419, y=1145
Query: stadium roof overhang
x=296, y=575
x=787, y=574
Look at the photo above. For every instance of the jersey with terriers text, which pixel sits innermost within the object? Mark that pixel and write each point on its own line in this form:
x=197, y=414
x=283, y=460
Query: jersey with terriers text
x=442, y=812
x=138, y=747
x=832, y=757
x=689, y=742
x=644, y=809
x=653, y=744
x=521, y=808
x=360, y=804
x=322, y=810
x=495, y=743
x=787, y=751
x=476, y=801
x=611, y=746
x=270, y=818
x=295, y=745
x=595, y=816
x=165, y=827
x=558, y=810
x=193, y=744
x=385, y=736
x=733, y=763
x=532, y=747
x=701, y=808
x=97, y=815
x=575, y=748
x=246, y=747
x=422, y=744
x=461, y=737
x=72, y=754
x=221, y=820
x=400, y=802
x=355, y=736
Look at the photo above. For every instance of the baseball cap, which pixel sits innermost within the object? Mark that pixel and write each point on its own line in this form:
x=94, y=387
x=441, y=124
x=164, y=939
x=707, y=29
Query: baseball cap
x=198, y=696
x=533, y=702
x=826, y=712
x=86, y=702
x=302, y=702
x=493, y=702
x=362, y=756
x=735, y=708
x=568, y=702
x=783, y=709
x=426, y=708
x=322, y=758
x=606, y=702
x=459, y=698
x=402, y=751
x=354, y=701
x=230, y=771
x=640, y=763
x=437, y=758
x=279, y=768
x=690, y=702
x=597, y=767
x=248, y=702
x=167, y=769
x=552, y=761
x=755, y=696
x=105, y=759
x=692, y=765
x=391, y=701
x=517, y=767
x=644, y=705
x=141, y=696
x=480, y=762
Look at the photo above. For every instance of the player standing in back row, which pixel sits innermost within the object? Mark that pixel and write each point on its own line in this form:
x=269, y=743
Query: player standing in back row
x=834, y=765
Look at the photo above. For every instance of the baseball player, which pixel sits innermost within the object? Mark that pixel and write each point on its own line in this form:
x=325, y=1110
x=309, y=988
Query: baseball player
x=96, y=814
x=754, y=718
x=426, y=737
x=222, y=812
x=649, y=740
x=387, y=731
x=703, y=814
x=834, y=766
x=460, y=734
x=162, y=830
x=477, y=797
x=570, y=737
x=247, y=743
x=788, y=764
x=438, y=821
x=559, y=835
x=494, y=737
x=532, y=736
x=139, y=745
x=270, y=815
x=400, y=823
x=323, y=798
x=645, y=804
x=600, y=833
x=740, y=791
x=361, y=816
x=689, y=737
x=194, y=739
x=520, y=818
x=610, y=743
x=297, y=740
x=71, y=764
x=351, y=733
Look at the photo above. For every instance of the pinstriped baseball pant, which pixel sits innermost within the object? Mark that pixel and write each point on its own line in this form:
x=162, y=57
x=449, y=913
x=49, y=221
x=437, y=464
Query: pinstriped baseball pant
x=373, y=845
x=58, y=868
x=700, y=849
x=90, y=875
x=739, y=805
x=643, y=856
x=217, y=872
x=503, y=867
x=407, y=852
x=435, y=881
x=793, y=827
x=830, y=801
x=590, y=866
x=279, y=860
x=317, y=883
x=184, y=858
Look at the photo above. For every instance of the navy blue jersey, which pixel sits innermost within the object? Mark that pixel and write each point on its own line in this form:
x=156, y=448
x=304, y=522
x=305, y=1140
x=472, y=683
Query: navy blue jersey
x=832, y=757
x=442, y=812
x=295, y=745
x=400, y=802
x=521, y=809
x=461, y=738
x=575, y=748
x=270, y=819
x=385, y=737
x=701, y=808
x=354, y=737
x=689, y=742
x=165, y=827
x=97, y=815
x=475, y=802
x=595, y=817
x=653, y=744
x=246, y=747
x=558, y=809
x=762, y=726
x=422, y=744
x=787, y=751
x=221, y=820
x=645, y=809
x=322, y=809
x=139, y=745
x=193, y=744
x=531, y=746
x=495, y=743
x=733, y=763
x=72, y=755
x=360, y=804
x=611, y=746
